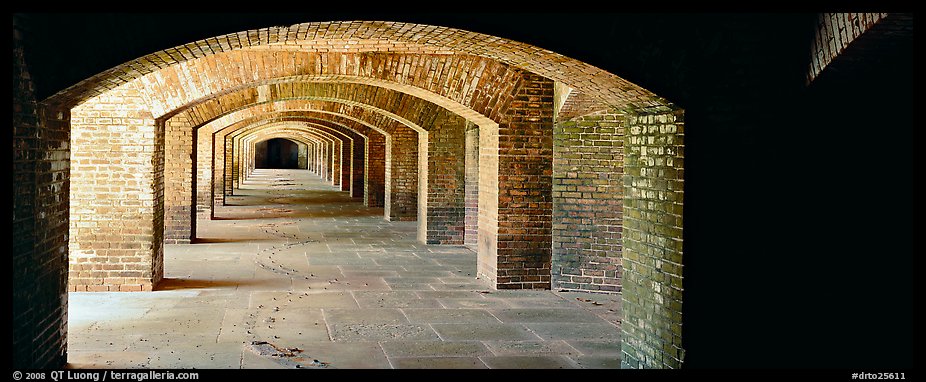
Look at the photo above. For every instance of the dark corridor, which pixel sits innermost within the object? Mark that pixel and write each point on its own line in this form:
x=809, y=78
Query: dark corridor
x=277, y=153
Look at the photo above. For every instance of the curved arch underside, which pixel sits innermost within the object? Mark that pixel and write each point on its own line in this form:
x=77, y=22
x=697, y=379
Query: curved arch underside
x=557, y=173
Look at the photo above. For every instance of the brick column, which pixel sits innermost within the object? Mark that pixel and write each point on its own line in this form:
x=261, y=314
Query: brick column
x=358, y=166
x=471, y=187
x=516, y=187
x=302, y=161
x=652, y=254
x=336, y=162
x=587, y=202
x=204, y=171
x=40, y=222
x=374, y=190
x=443, y=208
x=347, y=156
x=179, y=182
x=401, y=199
x=117, y=203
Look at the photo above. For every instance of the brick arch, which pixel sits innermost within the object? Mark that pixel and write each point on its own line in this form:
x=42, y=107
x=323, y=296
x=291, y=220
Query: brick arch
x=340, y=153
x=418, y=111
x=401, y=170
x=363, y=37
x=124, y=110
x=363, y=136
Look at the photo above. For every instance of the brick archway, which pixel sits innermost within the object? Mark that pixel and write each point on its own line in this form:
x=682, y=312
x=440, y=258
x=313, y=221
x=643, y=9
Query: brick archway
x=506, y=88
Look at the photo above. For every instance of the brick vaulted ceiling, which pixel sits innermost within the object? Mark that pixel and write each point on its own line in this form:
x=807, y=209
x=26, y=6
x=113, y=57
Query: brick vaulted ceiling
x=463, y=67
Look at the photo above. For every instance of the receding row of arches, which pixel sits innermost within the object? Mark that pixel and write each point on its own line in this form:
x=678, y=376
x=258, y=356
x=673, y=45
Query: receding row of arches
x=467, y=134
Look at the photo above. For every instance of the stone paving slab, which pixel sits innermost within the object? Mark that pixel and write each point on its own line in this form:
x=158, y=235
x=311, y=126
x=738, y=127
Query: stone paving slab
x=437, y=363
x=449, y=316
x=434, y=348
x=471, y=303
x=382, y=332
x=580, y=331
x=483, y=332
x=602, y=348
x=365, y=316
x=529, y=362
x=557, y=347
x=544, y=315
x=597, y=362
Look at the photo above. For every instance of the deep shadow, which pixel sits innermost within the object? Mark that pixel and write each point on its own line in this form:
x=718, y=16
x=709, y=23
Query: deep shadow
x=277, y=153
x=176, y=284
x=307, y=214
x=215, y=240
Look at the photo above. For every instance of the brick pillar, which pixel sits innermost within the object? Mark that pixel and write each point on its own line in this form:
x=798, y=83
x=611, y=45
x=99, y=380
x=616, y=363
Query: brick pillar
x=218, y=171
x=204, y=171
x=651, y=331
x=40, y=222
x=179, y=182
x=587, y=202
x=471, y=187
x=302, y=161
x=374, y=182
x=310, y=157
x=444, y=182
x=227, y=168
x=401, y=199
x=516, y=187
x=346, y=158
x=117, y=203
x=358, y=167
x=336, y=161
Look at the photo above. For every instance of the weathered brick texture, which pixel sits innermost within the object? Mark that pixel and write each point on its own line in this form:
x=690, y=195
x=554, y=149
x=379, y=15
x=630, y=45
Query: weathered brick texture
x=179, y=182
x=40, y=216
x=445, y=180
x=652, y=253
x=204, y=172
x=117, y=204
x=471, y=188
x=521, y=154
x=587, y=202
x=375, y=178
x=295, y=50
x=401, y=202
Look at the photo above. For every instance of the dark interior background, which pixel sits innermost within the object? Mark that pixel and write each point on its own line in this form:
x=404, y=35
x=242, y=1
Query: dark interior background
x=798, y=200
x=276, y=153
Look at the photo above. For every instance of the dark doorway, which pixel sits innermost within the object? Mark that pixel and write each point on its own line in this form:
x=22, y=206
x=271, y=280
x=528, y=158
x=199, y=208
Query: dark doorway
x=277, y=153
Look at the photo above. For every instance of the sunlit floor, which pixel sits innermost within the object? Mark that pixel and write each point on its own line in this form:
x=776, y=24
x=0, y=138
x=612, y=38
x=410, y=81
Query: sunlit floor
x=294, y=274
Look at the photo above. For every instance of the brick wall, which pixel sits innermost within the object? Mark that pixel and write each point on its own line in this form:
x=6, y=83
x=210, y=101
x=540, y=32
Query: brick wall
x=521, y=162
x=302, y=160
x=179, y=182
x=204, y=172
x=587, y=202
x=374, y=194
x=652, y=253
x=40, y=173
x=445, y=180
x=117, y=211
x=471, y=187
x=401, y=201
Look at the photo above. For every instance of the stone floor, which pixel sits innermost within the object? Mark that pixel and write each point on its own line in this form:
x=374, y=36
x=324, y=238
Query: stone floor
x=295, y=274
